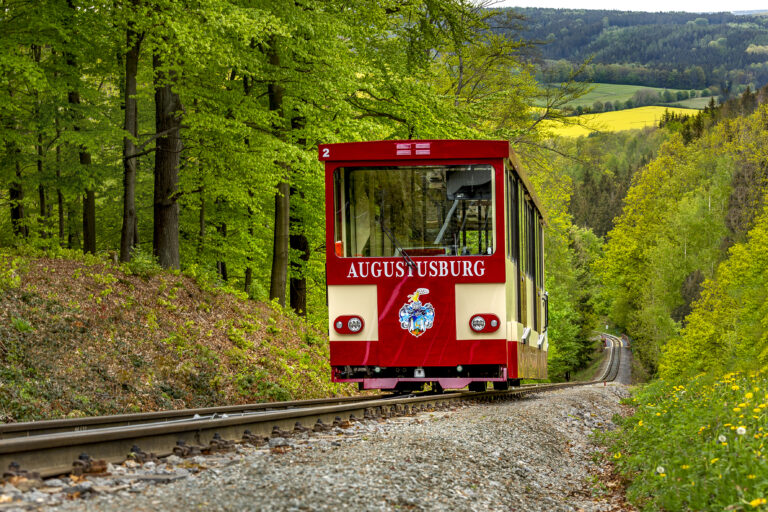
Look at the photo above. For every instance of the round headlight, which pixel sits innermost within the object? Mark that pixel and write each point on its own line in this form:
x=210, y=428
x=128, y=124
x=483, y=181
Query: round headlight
x=354, y=324
x=478, y=323
x=339, y=325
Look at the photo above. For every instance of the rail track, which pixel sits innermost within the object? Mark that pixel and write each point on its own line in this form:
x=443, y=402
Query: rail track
x=59, y=446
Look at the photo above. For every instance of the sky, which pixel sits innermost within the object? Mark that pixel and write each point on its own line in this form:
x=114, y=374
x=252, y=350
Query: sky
x=645, y=5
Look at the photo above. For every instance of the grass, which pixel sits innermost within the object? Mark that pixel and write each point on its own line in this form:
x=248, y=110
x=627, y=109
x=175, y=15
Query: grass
x=696, y=445
x=697, y=103
x=613, y=93
x=630, y=119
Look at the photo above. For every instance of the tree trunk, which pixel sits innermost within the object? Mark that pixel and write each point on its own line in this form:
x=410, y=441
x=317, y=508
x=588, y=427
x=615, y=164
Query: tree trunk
x=59, y=194
x=37, y=56
x=166, y=208
x=280, y=253
x=298, y=286
x=89, y=200
x=128, y=234
x=280, y=249
x=89, y=220
x=201, y=222
x=74, y=235
x=41, y=187
x=16, y=193
x=221, y=265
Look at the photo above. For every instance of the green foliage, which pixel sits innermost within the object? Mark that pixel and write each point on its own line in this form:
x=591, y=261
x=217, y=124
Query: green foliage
x=728, y=327
x=11, y=269
x=142, y=264
x=21, y=325
x=696, y=446
x=682, y=210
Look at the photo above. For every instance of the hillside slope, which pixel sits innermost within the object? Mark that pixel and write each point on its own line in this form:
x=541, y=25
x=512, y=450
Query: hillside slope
x=88, y=337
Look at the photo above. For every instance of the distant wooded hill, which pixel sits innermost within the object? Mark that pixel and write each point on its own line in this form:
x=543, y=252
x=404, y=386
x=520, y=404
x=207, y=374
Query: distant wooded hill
x=676, y=50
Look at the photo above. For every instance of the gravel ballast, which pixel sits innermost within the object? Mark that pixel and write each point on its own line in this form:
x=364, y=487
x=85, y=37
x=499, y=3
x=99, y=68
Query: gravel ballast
x=532, y=454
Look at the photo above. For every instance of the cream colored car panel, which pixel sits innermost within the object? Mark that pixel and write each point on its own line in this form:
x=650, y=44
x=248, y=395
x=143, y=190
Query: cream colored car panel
x=472, y=299
x=360, y=300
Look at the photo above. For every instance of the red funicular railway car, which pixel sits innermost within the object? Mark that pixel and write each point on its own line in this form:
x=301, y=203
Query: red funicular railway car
x=435, y=265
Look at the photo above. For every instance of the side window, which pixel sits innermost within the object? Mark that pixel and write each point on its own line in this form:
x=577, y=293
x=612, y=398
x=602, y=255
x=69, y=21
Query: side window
x=531, y=242
x=521, y=229
x=541, y=253
x=512, y=214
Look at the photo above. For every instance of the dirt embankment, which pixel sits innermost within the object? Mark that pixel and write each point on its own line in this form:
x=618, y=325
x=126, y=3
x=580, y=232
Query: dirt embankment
x=87, y=339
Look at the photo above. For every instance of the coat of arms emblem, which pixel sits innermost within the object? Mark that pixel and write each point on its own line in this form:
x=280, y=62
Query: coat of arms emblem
x=416, y=317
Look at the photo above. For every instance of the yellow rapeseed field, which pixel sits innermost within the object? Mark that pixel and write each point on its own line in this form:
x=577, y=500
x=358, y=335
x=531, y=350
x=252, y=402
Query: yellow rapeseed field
x=630, y=119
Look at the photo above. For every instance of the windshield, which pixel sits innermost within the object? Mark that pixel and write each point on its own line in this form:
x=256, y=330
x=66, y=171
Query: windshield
x=422, y=211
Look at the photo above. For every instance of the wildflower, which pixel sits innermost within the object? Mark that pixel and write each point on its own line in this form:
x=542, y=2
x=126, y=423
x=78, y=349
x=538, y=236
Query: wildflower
x=640, y=423
x=742, y=405
x=658, y=414
x=617, y=455
x=714, y=460
x=748, y=395
x=757, y=502
x=756, y=410
x=751, y=477
x=660, y=470
x=736, y=409
x=721, y=438
x=685, y=466
x=735, y=387
x=741, y=431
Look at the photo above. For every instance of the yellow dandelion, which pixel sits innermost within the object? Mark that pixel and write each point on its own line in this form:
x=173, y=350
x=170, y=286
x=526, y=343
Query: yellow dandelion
x=742, y=405
x=751, y=477
x=736, y=409
x=735, y=387
x=748, y=396
x=714, y=460
x=658, y=414
x=757, y=502
x=685, y=466
x=756, y=410
x=617, y=455
x=640, y=423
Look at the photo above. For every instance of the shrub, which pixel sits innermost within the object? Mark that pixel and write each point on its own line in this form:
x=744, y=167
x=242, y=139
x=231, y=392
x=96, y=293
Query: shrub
x=143, y=264
x=698, y=445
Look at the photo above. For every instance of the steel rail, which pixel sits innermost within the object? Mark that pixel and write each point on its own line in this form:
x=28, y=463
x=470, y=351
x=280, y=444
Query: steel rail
x=34, y=428
x=53, y=453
